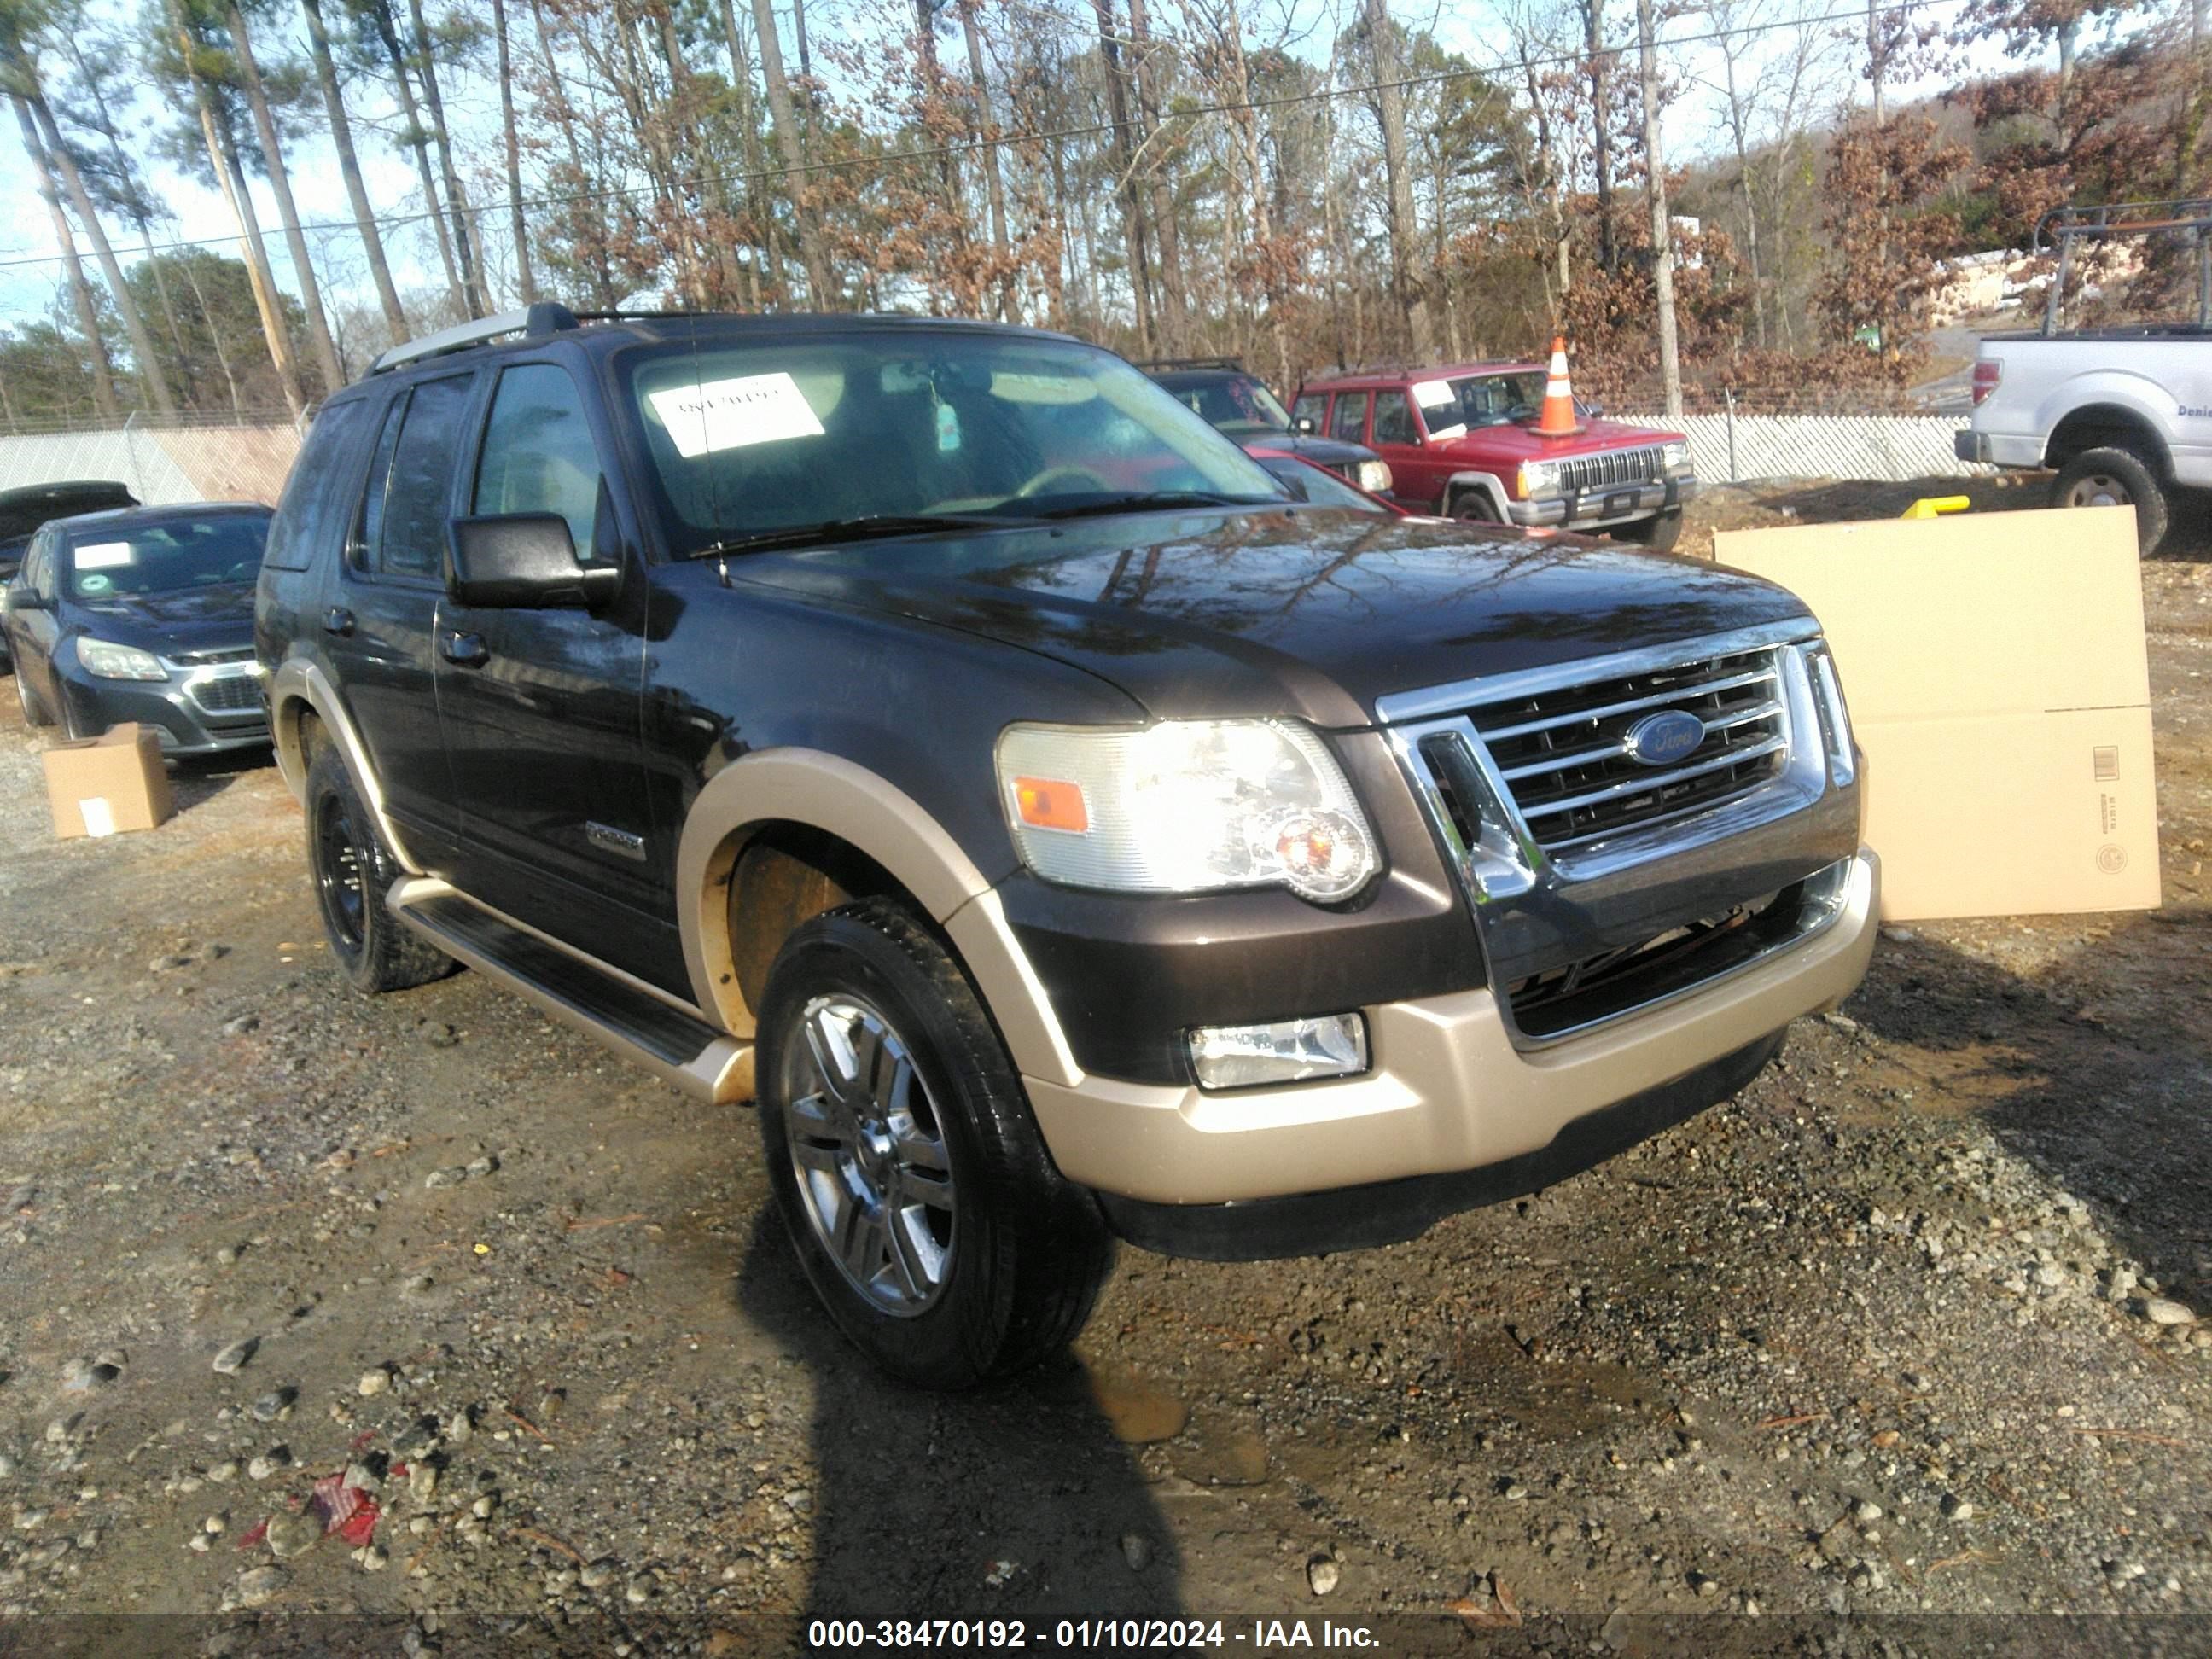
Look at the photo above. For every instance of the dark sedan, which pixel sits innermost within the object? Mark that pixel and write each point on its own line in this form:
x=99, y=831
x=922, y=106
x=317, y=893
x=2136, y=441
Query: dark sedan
x=1239, y=405
x=144, y=615
x=23, y=510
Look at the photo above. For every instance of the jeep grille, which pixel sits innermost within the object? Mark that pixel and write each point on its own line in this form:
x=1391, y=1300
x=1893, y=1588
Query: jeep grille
x=1610, y=467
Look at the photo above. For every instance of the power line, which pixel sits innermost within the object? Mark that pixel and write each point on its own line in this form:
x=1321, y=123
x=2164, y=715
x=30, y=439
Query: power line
x=1087, y=130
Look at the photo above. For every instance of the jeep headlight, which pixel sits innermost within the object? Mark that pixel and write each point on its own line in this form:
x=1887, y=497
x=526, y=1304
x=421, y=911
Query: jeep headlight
x=1373, y=477
x=1185, y=806
x=1538, y=478
x=119, y=662
x=1675, y=454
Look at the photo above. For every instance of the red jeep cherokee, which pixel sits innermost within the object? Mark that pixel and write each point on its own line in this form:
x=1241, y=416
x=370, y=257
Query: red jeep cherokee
x=1463, y=442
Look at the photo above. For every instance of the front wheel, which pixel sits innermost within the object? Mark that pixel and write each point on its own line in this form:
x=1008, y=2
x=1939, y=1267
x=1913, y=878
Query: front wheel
x=2114, y=477
x=1659, y=533
x=1472, y=507
x=911, y=1175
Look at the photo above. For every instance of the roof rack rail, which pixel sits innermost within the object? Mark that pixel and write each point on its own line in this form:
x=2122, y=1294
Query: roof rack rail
x=1236, y=365
x=539, y=322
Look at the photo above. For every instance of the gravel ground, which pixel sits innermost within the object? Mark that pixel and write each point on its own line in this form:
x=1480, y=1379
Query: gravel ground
x=425, y=1308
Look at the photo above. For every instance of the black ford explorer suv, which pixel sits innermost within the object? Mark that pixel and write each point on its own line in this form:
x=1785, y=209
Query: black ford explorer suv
x=940, y=733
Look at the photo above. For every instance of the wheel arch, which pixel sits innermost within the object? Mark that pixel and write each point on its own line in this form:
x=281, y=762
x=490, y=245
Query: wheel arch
x=1488, y=482
x=2108, y=425
x=298, y=689
x=849, y=825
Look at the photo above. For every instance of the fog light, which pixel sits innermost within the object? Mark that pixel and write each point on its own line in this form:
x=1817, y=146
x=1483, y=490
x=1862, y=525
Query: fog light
x=1288, y=1051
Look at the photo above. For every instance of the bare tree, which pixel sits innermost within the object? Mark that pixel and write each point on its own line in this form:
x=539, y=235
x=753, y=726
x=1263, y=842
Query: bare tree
x=80, y=288
x=1662, y=227
x=790, y=142
x=364, y=215
x=526, y=279
x=1390, y=109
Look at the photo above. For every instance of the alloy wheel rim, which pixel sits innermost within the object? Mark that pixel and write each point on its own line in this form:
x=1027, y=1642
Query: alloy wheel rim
x=2099, y=489
x=868, y=1152
x=338, y=875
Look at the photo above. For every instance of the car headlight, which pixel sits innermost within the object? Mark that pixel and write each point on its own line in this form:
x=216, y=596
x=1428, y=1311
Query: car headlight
x=1538, y=476
x=119, y=662
x=1185, y=806
x=1675, y=454
x=1373, y=477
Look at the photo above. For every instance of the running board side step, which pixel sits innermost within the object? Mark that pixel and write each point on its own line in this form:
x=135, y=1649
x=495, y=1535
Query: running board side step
x=638, y=1021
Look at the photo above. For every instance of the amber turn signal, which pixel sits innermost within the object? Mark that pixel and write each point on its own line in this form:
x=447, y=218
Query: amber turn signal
x=1048, y=804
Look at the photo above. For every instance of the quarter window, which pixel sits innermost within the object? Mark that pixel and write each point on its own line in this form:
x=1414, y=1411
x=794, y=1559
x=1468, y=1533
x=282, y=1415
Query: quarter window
x=1393, y=420
x=539, y=456
x=310, y=500
x=1348, y=420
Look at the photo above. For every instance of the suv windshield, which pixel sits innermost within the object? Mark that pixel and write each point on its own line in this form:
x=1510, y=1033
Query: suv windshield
x=1452, y=407
x=901, y=424
x=165, y=556
x=1233, y=402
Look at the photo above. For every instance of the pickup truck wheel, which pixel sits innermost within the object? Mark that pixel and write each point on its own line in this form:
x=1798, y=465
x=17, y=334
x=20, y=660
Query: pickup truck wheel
x=926, y=1212
x=352, y=872
x=1659, y=533
x=2114, y=477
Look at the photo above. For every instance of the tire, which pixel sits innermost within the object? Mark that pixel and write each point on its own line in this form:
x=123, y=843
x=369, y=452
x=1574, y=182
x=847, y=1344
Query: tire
x=2112, y=477
x=352, y=869
x=1473, y=506
x=1659, y=533
x=995, y=1260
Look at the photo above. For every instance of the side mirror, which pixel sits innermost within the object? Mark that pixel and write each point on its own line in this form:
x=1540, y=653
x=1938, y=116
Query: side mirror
x=18, y=595
x=1305, y=425
x=1594, y=409
x=524, y=561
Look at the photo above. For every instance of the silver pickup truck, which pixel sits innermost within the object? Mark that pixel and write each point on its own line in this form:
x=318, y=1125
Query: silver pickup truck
x=2124, y=415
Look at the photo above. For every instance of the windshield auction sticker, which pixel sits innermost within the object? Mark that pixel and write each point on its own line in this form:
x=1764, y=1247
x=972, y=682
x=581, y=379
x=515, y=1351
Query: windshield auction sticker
x=753, y=409
x=102, y=556
x=1432, y=394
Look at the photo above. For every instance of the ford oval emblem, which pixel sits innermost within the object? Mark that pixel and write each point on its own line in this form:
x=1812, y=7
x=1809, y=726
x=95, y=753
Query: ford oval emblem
x=1662, y=739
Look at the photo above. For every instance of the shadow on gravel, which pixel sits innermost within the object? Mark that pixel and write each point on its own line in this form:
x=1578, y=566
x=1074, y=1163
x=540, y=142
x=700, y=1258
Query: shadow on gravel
x=2188, y=536
x=196, y=782
x=1010, y=1502
x=2096, y=1070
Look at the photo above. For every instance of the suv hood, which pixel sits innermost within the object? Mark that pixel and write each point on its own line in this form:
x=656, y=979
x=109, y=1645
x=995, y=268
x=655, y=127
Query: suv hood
x=1307, y=613
x=1521, y=443
x=1308, y=446
x=172, y=624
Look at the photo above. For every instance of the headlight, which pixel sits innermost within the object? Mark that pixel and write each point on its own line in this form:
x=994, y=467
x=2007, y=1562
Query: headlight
x=1537, y=478
x=1185, y=806
x=119, y=662
x=1373, y=477
x=1675, y=454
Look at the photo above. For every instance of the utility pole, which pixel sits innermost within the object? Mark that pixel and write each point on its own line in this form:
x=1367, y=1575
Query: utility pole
x=1662, y=228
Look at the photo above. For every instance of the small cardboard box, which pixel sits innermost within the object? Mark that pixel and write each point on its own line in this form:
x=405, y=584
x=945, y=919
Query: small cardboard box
x=102, y=786
x=1995, y=668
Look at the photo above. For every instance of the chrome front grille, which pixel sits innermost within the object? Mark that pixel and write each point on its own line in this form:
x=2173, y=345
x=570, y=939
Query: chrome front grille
x=1565, y=758
x=1612, y=467
x=230, y=694
x=1601, y=885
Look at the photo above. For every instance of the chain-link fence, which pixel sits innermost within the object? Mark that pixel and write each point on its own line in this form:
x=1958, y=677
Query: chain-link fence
x=162, y=461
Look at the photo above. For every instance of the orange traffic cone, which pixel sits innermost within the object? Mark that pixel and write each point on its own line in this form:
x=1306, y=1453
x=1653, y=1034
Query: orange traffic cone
x=1558, y=420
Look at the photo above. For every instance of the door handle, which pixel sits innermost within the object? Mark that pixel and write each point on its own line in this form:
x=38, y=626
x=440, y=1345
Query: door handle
x=337, y=620
x=468, y=650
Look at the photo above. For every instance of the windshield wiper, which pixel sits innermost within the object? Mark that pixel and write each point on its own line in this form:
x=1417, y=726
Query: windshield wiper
x=869, y=526
x=1147, y=501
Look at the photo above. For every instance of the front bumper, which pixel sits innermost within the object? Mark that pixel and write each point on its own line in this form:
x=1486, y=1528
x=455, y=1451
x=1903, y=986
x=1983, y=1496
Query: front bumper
x=1599, y=509
x=1450, y=1090
x=178, y=709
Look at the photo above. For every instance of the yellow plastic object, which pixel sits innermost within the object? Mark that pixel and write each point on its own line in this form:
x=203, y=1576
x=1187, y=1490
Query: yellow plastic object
x=1929, y=506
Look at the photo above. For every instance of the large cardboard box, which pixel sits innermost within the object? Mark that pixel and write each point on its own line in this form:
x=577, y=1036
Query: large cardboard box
x=103, y=786
x=1995, y=668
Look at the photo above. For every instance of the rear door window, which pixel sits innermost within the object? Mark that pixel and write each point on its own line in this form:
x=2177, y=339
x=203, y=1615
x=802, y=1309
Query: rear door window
x=405, y=512
x=312, y=502
x=1394, y=419
x=1348, y=420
